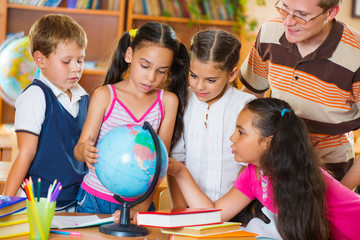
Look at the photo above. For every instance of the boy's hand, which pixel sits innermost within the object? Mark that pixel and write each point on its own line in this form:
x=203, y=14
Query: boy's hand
x=175, y=167
x=90, y=152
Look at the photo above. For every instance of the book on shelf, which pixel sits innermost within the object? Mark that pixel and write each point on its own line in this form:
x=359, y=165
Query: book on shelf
x=96, y=4
x=110, y=4
x=145, y=5
x=138, y=7
x=52, y=3
x=38, y=3
x=83, y=4
x=235, y=235
x=11, y=204
x=15, y=224
x=116, y=5
x=169, y=8
x=194, y=9
x=179, y=217
x=163, y=7
x=221, y=10
x=155, y=8
x=204, y=229
x=177, y=9
x=214, y=10
x=207, y=9
x=184, y=7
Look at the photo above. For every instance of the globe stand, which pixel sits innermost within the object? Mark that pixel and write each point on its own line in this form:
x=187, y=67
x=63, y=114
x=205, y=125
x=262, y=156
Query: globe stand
x=124, y=228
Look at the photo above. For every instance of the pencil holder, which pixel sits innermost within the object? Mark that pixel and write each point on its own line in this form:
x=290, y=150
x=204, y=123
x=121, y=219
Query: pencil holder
x=40, y=215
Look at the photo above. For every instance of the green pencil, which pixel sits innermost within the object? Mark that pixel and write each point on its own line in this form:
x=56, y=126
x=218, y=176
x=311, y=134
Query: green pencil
x=38, y=189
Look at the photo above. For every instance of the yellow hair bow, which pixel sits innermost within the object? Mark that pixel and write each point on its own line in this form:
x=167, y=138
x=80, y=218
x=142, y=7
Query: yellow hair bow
x=132, y=32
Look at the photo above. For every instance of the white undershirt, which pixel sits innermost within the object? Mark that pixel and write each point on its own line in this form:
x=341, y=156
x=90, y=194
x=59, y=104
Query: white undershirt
x=30, y=106
x=206, y=148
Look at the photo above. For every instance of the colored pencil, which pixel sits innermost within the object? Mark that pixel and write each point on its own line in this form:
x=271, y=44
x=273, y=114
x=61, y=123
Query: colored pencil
x=65, y=232
x=38, y=189
x=48, y=194
x=53, y=185
x=56, y=192
x=30, y=188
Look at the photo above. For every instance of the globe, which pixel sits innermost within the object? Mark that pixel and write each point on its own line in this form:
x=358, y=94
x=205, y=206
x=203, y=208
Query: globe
x=127, y=161
x=17, y=68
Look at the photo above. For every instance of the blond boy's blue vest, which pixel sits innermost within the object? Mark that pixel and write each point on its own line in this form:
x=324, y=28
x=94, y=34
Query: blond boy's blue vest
x=55, y=158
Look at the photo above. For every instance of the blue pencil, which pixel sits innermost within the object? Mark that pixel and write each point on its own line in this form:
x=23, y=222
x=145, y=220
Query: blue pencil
x=65, y=233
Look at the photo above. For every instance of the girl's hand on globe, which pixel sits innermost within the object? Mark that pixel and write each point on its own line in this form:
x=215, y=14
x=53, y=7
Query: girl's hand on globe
x=90, y=152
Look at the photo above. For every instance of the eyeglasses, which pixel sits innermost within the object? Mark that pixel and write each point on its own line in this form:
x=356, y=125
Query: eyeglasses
x=298, y=19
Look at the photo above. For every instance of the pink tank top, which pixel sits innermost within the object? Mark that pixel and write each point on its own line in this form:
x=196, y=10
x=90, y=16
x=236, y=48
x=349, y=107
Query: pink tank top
x=118, y=114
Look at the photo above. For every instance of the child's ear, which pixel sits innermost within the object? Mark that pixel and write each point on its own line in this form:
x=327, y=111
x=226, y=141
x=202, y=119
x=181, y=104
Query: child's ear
x=39, y=59
x=233, y=74
x=267, y=142
x=129, y=55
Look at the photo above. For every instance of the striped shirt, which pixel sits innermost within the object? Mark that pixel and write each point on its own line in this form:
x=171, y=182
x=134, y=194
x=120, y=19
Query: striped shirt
x=118, y=114
x=322, y=87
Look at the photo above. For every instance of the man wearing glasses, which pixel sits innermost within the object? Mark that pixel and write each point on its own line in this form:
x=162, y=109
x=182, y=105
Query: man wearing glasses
x=309, y=59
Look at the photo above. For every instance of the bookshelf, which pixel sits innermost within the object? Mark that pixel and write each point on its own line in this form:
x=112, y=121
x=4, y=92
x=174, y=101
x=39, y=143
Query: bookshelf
x=103, y=27
x=184, y=27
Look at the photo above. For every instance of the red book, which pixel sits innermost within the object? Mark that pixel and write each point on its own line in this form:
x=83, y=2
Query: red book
x=179, y=217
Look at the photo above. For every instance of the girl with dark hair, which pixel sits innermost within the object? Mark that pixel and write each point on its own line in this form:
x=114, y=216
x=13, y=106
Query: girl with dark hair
x=146, y=61
x=284, y=174
x=209, y=119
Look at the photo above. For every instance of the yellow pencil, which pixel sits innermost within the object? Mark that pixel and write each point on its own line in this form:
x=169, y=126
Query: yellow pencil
x=30, y=187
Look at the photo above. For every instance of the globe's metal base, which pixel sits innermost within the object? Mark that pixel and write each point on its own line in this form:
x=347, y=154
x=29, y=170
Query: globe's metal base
x=117, y=229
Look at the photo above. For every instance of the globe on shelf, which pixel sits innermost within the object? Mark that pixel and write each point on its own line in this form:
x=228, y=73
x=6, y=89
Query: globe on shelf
x=127, y=161
x=17, y=68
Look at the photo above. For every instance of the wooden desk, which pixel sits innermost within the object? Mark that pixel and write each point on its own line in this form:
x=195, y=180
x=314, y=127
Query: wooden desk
x=92, y=233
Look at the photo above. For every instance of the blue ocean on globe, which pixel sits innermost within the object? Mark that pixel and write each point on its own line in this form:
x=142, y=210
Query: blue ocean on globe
x=17, y=68
x=127, y=161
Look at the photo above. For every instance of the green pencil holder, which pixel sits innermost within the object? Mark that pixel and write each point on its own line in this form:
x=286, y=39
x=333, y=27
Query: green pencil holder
x=40, y=215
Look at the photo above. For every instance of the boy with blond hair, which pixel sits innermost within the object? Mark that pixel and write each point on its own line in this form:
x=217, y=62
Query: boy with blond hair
x=51, y=111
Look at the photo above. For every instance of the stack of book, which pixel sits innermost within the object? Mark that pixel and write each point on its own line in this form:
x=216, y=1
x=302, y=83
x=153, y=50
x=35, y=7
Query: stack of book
x=194, y=223
x=223, y=231
x=13, y=217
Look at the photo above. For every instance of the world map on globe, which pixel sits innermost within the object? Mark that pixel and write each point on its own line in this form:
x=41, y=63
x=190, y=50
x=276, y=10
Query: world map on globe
x=17, y=68
x=127, y=161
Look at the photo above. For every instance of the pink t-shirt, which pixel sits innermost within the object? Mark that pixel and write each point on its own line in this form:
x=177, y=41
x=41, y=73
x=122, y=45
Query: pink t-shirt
x=117, y=115
x=343, y=213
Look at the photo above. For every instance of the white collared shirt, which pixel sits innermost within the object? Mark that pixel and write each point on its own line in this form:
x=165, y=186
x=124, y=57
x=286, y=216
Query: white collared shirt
x=30, y=106
x=206, y=148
